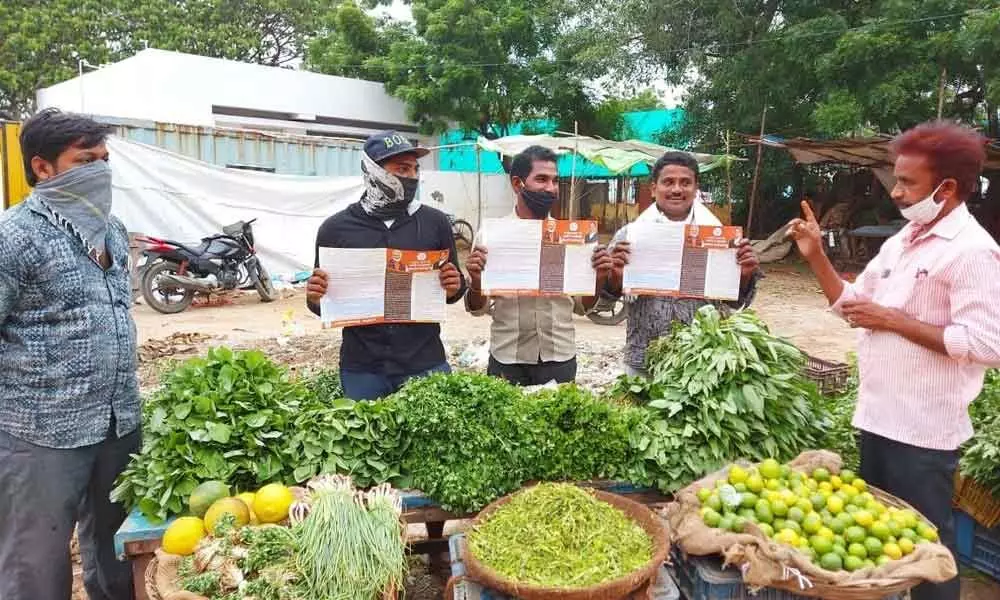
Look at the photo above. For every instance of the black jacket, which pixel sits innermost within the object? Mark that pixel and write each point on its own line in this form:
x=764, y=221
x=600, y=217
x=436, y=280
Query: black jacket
x=402, y=349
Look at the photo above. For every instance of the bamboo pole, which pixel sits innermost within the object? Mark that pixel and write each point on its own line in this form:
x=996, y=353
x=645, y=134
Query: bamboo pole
x=941, y=80
x=756, y=173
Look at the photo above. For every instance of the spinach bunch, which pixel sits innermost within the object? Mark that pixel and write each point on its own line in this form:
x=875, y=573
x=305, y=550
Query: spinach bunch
x=220, y=417
x=363, y=439
x=981, y=455
x=841, y=436
x=723, y=389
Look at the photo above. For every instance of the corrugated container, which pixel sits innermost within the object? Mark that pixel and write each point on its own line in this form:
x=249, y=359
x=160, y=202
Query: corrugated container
x=279, y=153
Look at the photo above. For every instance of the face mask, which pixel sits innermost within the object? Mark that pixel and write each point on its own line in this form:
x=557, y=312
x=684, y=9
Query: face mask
x=386, y=195
x=538, y=202
x=925, y=211
x=82, y=197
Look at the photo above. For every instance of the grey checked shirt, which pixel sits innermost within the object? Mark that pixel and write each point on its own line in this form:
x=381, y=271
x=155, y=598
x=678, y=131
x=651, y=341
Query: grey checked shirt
x=67, y=340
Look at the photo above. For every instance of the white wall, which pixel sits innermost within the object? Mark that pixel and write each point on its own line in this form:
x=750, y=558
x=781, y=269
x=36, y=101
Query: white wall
x=460, y=198
x=171, y=87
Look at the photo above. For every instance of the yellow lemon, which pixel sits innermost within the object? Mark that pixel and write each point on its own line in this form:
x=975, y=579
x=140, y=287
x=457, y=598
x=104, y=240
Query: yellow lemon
x=906, y=546
x=860, y=485
x=893, y=551
x=737, y=474
x=836, y=482
x=183, y=535
x=835, y=505
x=272, y=502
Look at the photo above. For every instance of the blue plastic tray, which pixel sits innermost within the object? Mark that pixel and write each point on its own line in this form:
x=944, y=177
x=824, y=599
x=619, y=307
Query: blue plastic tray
x=977, y=546
x=665, y=588
x=703, y=578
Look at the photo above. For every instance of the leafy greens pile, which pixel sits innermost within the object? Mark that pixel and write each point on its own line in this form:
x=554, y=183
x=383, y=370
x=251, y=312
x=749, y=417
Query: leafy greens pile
x=981, y=456
x=723, y=389
x=221, y=417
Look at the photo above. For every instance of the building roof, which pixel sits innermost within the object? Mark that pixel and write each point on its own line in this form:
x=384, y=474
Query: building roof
x=870, y=152
x=172, y=87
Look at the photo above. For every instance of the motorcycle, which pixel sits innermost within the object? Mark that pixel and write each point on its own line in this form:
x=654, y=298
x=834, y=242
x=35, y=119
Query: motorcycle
x=174, y=272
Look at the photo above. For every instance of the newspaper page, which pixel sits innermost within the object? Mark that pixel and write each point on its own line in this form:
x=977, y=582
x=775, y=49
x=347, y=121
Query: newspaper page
x=529, y=257
x=368, y=286
x=689, y=261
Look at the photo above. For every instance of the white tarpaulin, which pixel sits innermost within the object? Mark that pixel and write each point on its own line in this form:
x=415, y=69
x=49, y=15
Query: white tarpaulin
x=168, y=195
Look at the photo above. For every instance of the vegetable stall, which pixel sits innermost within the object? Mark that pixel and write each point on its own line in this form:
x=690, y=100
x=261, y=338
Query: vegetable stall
x=233, y=425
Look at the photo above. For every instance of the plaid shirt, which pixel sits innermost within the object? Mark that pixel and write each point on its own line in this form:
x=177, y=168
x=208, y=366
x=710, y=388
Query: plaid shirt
x=67, y=340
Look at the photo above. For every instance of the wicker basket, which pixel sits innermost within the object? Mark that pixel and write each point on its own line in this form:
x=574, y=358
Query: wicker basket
x=830, y=377
x=847, y=591
x=611, y=590
x=976, y=501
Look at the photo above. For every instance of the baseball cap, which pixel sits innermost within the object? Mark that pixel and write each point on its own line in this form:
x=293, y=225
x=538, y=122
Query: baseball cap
x=385, y=144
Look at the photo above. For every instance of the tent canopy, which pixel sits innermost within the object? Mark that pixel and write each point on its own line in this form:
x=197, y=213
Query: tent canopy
x=870, y=152
x=616, y=157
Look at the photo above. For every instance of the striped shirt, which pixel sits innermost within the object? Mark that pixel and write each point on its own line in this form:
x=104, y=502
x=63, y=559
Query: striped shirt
x=948, y=276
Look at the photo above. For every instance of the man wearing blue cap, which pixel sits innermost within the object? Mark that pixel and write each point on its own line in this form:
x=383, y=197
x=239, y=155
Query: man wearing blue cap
x=376, y=360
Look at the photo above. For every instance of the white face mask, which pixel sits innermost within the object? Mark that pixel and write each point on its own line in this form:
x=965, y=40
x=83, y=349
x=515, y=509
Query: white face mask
x=925, y=211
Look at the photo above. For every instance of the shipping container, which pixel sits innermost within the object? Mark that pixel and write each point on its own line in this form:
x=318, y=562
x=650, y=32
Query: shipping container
x=247, y=149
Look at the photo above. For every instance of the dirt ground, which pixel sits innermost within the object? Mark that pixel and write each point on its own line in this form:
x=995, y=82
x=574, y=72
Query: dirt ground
x=788, y=299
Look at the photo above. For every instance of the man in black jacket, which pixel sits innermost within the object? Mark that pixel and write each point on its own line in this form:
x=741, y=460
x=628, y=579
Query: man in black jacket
x=376, y=360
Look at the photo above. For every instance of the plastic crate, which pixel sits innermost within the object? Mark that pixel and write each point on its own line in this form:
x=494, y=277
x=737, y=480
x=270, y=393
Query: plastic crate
x=703, y=578
x=466, y=589
x=978, y=547
x=830, y=377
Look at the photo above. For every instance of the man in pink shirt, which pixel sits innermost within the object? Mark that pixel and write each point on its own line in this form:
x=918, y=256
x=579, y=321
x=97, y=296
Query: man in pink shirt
x=929, y=321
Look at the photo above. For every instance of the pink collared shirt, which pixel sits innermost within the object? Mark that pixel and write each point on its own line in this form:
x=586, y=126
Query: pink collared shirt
x=948, y=276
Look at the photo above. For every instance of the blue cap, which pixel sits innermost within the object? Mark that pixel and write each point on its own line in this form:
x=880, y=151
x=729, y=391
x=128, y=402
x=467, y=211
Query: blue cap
x=386, y=144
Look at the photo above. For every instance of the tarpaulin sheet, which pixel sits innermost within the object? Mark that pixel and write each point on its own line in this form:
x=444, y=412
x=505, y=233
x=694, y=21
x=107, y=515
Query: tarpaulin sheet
x=163, y=194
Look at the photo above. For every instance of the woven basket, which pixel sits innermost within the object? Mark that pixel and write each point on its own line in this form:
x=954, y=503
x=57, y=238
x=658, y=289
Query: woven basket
x=611, y=590
x=976, y=501
x=848, y=591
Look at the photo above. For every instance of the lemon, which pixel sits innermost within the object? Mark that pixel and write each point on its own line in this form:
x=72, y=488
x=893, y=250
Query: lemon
x=864, y=518
x=821, y=545
x=779, y=508
x=788, y=537
x=272, y=503
x=711, y=517
x=812, y=523
x=927, y=532
x=183, y=535
x=906, y=546
x=853, y=563
x=832, y=561
x=909, y=519
x=893, y=551
x=714, y=502
x=874, y=547
x=836, y=482
x=826, y=486
x=855, y=534
x=770, y=469
x=703, y=494
x=835, y=504
x=860, y=485
x=231, y=506
x=882, y=560
x=755, y=483
x=796, y=514
x=737, y=474
x=766, y=529
x=847, y=476
x=881, y=531
x=821, y=474
x=858, y=550
x=826, y=532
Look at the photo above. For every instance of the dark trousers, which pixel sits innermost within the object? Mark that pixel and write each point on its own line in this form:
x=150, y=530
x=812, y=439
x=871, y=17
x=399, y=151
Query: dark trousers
x=44, y=493
x=537, y=374
x=925, y=479
x=372, y=386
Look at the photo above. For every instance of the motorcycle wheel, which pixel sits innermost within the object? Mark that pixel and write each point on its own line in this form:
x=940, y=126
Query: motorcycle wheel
x=168, y=301
x=614, y=315
x=463, y=232
x=264, y=285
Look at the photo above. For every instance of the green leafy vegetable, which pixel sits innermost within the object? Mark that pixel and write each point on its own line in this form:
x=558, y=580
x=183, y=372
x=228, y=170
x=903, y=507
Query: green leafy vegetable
x=722, y=389
x=981, y=455
x=559, y=535
x=219, y=417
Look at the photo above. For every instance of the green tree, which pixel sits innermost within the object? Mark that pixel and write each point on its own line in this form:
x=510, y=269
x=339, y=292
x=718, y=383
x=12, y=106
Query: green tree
x=41, y=43
x=484, y=65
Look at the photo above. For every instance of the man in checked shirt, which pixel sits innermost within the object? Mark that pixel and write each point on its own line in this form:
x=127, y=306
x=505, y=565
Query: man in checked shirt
x=929, y=324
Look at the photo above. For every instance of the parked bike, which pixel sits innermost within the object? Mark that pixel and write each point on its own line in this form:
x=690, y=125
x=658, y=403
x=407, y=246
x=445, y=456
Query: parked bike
x=174, y=272
x=461, y=230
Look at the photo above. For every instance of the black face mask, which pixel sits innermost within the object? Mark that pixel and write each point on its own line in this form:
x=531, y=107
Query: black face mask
x=409, y=188
x=538, y=202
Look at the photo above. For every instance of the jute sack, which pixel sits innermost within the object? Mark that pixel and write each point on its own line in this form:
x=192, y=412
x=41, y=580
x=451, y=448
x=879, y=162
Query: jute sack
x=766, y=563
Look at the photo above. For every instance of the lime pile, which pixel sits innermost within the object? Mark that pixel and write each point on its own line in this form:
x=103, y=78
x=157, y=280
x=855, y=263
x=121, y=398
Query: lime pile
x=833, y=519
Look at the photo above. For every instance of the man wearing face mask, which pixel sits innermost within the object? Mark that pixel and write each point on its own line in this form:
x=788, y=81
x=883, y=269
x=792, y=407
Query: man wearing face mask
x=69, y=397
x=929, y=325
x=675, y=193
x=376, y=360
x=532, y=340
